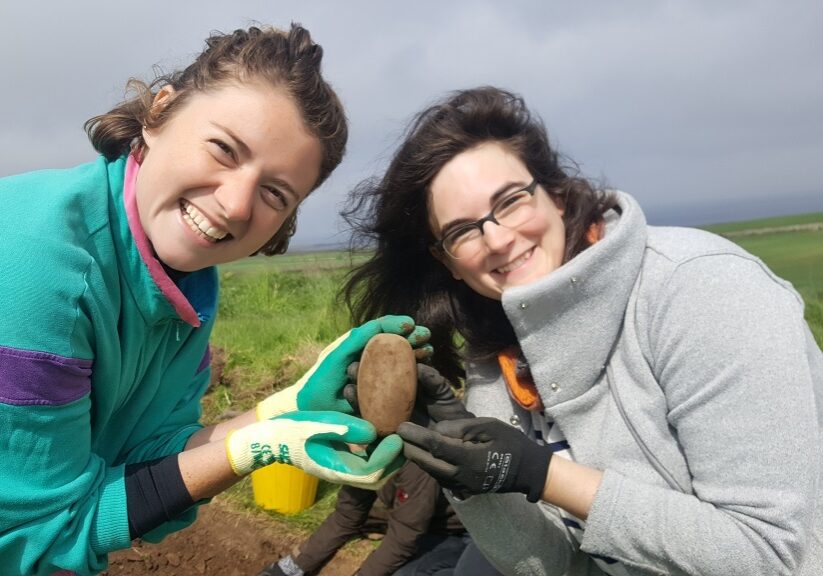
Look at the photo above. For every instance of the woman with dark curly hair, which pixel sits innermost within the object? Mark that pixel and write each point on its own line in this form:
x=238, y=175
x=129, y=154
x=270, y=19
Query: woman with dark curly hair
x=648, y=399
x=103, y=361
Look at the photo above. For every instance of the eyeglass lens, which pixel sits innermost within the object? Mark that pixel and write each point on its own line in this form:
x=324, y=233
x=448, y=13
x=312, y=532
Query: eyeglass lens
x=511, y=211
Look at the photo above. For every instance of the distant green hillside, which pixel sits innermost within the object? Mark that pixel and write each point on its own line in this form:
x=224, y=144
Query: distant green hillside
x=296, y=262
x=777, y=222
x=792, y=246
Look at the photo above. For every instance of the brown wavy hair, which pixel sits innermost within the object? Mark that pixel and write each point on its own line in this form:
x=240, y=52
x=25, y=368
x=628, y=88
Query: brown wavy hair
x=288, y=60
x=391, y=216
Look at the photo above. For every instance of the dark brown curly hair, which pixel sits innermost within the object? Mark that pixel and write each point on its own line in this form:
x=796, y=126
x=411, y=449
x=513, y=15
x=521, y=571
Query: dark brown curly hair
x=391, y=216
x=287, y=60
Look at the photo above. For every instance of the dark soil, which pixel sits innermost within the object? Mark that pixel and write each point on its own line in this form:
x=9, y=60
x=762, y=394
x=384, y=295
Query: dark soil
x=225, y=541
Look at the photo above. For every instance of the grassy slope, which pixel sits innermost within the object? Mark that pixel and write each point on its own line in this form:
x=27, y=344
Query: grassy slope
x=271, y=326
x=275, y=316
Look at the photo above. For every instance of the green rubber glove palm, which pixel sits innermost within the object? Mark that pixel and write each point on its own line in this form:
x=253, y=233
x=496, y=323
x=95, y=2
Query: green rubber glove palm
x=321, y=388
x=316, y=443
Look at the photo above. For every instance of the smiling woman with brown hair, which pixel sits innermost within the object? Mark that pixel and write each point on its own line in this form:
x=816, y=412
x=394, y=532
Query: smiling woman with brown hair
x=103, y=363
x=636, y=387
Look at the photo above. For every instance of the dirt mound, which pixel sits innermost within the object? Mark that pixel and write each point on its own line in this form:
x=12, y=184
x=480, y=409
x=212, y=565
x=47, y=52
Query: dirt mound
x=225, y=541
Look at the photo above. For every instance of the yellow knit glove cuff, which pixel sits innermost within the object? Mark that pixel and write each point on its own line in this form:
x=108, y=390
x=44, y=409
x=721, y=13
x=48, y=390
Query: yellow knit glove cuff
x=280, y=402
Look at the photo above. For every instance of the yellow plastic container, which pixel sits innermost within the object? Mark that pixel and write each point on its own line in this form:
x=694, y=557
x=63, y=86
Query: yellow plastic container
x=283, y=488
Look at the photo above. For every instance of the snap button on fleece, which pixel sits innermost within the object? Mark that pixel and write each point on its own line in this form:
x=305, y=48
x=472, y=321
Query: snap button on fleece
x=514, y=420
x=574, y=279
x=555, y=386
x=523, y=305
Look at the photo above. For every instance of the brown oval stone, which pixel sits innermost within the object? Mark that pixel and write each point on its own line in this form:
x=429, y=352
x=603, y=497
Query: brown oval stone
x=387, y=382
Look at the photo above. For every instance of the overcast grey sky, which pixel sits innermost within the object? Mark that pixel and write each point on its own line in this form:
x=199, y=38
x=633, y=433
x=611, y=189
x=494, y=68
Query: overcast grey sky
x=704, y=110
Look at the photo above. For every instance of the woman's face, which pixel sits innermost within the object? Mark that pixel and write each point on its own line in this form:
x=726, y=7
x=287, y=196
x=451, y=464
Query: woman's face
x=220, y=177
x=465, y=189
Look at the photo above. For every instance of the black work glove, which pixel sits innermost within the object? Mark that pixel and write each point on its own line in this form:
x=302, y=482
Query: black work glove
x=478, y=455
x=435, y=400
x=435, y=397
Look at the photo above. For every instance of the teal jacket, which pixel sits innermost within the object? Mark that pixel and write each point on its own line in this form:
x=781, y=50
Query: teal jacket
x=103, y=361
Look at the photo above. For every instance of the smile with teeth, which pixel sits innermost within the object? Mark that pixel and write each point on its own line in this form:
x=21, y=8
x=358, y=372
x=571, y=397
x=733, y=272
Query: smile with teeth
x=200, y=224
x=514, y=265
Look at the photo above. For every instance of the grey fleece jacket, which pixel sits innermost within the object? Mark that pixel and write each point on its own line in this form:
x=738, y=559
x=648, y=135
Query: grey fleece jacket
x=713, y=467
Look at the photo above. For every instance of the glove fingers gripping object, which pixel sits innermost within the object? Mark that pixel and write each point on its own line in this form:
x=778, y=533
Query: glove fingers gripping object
x=316, y=442
x=321, y=387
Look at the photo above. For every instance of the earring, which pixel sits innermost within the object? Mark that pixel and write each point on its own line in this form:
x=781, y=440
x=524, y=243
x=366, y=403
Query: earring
x=136, y=150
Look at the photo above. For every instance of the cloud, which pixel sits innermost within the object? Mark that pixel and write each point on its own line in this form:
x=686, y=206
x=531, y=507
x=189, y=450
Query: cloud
x=680, y=103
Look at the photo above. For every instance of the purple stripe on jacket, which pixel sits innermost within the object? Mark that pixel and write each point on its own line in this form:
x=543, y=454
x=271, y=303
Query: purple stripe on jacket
x=204, y=362
x=30, y=378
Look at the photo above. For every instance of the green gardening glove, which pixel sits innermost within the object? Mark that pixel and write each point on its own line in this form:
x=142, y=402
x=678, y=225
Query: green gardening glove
x=321, y=388
x=316, y=443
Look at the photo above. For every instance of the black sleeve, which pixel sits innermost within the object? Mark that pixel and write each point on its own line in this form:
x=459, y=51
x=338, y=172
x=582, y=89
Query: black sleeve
x=350, y=512
x=155, y=494
x=416, y=495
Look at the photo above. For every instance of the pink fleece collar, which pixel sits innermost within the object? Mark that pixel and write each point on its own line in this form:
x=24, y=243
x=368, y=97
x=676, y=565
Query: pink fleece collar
x=169, y=289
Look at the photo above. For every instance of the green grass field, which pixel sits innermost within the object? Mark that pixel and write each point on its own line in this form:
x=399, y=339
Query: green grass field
x=271, y=324
x=277, y=313
x=275, y=316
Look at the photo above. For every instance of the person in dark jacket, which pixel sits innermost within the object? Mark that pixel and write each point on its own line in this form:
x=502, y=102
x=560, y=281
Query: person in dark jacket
x=410, y=509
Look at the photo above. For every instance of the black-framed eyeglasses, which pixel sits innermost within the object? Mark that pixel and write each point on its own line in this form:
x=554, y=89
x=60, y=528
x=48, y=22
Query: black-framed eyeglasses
x=512, y=210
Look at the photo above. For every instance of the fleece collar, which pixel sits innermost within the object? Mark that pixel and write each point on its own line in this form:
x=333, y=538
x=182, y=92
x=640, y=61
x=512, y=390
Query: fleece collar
x=154, y=293
x=568, y=321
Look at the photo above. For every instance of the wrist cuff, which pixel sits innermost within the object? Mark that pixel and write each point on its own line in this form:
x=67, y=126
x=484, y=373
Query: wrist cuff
x=155, y=493
x=239, y=458
x=535, y=471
